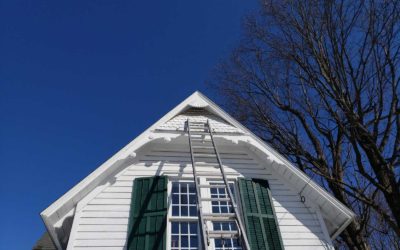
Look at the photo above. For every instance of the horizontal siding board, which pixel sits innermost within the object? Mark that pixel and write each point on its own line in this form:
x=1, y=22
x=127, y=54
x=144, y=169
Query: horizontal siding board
x=101, y=235
x=301, y=217
x=119, y=195
x=100, y=201
x=101, y=243
x=292, y=210
x=288, y=204
x=312, y=230
x=119, y=189
x=301, y=235
x=104, y=221
x=102, y=229
x=303, y=242
x=298, y=223
x=109, y=207
x=104, y=214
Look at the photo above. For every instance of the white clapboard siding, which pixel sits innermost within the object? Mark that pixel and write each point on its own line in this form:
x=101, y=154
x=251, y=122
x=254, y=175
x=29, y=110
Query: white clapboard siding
x=103, y=220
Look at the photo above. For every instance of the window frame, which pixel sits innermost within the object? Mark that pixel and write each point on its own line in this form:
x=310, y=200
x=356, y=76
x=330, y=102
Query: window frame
x=171, y=218
x=207, y=205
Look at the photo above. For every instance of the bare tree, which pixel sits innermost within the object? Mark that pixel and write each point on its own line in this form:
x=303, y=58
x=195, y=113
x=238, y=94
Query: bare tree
x=319, y=80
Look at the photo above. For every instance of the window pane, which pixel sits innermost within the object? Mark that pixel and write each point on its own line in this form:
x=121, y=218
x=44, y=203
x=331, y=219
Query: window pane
x=184, y=235
x=215, y=210
x=175, y=241
x=184, y=228
x=184, y=199
x=184, y=187
x=193, y=242
x=175, y=199
x=175, y=211
x=175, y=228
x=184, y=211
x=193, y=228
x=192, y=189
x=224, y=210
x=192, y=199
x=184, y=241
x=175, y=187
x=192, y=211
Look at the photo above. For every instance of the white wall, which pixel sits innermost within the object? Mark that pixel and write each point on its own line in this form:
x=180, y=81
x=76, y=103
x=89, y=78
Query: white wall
x=101, y=218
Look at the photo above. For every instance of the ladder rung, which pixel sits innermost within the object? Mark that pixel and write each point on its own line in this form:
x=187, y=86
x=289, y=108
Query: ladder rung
x=212, y=186
x=199, y=133
x=203, y=147
x=198, y=123
x=208, y=174
x=215, y=199
x=219, y=217
x=199, y=143
x=223, y=234
x=200, y=139
x=206, y=164
x=192, y=128
x=203, y=154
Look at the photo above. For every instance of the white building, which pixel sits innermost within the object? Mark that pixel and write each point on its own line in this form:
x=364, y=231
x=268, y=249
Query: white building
x=280, y=207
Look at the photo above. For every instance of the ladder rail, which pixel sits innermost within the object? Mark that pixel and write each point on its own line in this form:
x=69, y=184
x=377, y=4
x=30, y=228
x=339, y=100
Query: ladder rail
x=204, y=217
x=199, y=202
x=229, y=191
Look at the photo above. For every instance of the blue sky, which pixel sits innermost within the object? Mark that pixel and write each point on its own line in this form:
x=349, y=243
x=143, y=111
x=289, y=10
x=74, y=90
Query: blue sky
x=80, y=79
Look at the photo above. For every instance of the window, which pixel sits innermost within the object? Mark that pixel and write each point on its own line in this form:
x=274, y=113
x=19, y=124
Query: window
x=184, y=219
x=184, y=227
x=221, y=207
x=184, y=200
x=184, y=235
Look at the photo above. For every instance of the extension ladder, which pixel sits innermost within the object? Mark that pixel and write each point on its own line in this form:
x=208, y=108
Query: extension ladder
x=202, y=144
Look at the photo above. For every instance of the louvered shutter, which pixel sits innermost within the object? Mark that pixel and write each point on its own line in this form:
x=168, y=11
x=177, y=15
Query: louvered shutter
x=261, y=224
x=148, y=214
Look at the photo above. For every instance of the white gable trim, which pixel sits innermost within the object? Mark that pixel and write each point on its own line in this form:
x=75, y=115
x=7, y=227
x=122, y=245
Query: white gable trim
x=69, y=200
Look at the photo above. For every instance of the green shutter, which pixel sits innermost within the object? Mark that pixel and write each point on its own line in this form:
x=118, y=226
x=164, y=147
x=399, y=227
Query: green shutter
x=261, y=225
x=148, y=214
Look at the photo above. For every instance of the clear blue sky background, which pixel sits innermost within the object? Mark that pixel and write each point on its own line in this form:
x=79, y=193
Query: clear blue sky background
x=80, y=79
